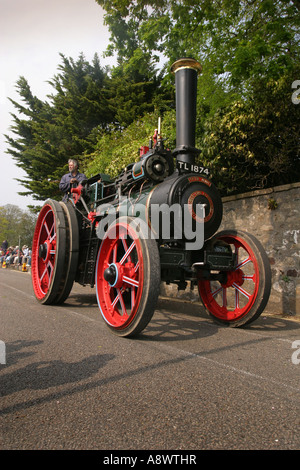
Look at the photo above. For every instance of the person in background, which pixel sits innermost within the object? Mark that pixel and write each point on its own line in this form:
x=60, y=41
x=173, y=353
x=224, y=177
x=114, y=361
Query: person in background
x=9, y=255
x=74, y=177
x=17, y=253
x=29, y=257
x=4, y=246
x=25, y=257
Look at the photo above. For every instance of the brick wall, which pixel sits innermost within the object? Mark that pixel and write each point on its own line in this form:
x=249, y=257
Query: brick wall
x=273, y=216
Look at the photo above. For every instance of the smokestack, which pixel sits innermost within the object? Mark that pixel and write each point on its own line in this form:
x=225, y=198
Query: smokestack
x=186, y=71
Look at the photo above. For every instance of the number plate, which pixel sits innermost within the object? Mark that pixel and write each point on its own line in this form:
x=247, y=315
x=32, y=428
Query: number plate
x=185, y=166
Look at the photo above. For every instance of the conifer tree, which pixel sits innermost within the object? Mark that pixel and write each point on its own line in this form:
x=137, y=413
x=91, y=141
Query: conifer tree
x=87, y=102
x=49, y=132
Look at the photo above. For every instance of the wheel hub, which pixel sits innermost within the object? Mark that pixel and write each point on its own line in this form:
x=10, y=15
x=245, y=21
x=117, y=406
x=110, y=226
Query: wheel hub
x=45, y=251
x=233, y=277
x=115, y=273
x=110, y=274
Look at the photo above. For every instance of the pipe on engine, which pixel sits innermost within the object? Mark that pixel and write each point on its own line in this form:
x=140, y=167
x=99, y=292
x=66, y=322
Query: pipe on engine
x=186, y=71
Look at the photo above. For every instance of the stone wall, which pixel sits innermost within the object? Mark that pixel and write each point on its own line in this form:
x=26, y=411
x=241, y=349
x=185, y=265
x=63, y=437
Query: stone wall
x=273, y=216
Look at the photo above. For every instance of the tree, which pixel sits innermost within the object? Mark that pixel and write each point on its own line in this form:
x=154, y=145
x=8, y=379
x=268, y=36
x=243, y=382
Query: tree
x=50, y=132
x=249, y=50
x=255, y=143
x=247, y=127
x=16, y=226
x=86, y=102
x=236, y=41
x=134, y=91
x=115, y=150
x=240, y=38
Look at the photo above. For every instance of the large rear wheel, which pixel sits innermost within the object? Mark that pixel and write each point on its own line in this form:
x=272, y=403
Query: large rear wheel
x=127, y=276
x=243, y=293
x=54, y=252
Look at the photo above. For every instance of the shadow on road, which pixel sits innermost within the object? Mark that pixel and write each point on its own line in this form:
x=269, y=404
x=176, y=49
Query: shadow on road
x=43, y=375
x=173, y=319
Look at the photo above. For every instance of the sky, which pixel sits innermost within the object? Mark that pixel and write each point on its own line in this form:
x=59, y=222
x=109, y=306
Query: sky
x=32, y=35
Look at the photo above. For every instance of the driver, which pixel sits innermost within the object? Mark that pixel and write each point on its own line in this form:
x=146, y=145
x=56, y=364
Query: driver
x=74, y=177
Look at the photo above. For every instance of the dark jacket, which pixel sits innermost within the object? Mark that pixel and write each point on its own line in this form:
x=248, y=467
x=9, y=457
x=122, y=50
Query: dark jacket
x=65, y=185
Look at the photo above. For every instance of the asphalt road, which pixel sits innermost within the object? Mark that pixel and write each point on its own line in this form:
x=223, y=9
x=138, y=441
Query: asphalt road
x=184, y=384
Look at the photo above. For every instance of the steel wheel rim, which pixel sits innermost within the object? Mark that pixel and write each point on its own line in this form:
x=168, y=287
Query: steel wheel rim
x=119, y=298
x=233, y=299
x=43, y=259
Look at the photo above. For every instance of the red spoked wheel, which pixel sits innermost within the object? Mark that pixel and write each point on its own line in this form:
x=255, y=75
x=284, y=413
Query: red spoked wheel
x=243, y=293
x=54, y=252
x=127, y=276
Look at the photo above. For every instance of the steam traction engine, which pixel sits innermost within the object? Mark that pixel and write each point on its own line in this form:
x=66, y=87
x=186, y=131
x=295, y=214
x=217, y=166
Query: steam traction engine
x=103, y=236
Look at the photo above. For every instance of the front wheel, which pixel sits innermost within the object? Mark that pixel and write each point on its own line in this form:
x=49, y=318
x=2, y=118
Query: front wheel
x=243, y=293
x=127, y=276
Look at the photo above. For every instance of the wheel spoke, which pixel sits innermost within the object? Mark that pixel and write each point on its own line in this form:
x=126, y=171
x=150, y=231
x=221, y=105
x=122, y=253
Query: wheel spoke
x=47, y=229
x=122, y=303
x=43, y=274
x=237, y=299
x=224, y=296
x=243, y=263
x=114, y=257
x=52, y=238
x=116, y=299
x=242, y=291
x=131, y=281
x=50, y=272
x=119, y=298
x=46, y=277
x=127, y=252
x=216, y=292
x=132, y=296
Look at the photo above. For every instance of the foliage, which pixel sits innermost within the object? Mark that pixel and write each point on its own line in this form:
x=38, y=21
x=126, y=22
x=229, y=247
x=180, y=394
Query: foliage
x=255, y=143
x=51, y=132
x=241, y=38
x=116, y=149
x=86, y=103
x=134, y=92
x=16, y=225
x=247, y=126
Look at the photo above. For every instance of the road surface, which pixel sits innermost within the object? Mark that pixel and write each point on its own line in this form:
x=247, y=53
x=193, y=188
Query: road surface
x=184, y=384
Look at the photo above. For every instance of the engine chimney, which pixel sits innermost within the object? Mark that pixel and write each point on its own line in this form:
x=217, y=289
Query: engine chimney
x=186, y=71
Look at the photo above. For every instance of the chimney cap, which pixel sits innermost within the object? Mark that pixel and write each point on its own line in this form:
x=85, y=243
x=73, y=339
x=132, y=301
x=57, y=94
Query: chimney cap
x=186, y=63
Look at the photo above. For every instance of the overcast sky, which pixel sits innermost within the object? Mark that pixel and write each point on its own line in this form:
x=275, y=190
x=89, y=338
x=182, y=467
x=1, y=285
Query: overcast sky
x=32, y=34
